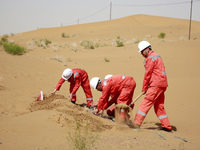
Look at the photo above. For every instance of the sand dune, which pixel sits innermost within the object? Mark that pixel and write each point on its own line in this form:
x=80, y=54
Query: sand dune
x=29, y=124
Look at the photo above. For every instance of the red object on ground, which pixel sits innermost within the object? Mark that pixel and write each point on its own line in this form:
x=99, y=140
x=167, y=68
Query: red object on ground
x=40, y=97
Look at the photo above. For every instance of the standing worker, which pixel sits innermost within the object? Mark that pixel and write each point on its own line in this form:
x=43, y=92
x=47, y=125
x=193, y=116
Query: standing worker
x=119, y=87
x=154, y=86
x=77, y=77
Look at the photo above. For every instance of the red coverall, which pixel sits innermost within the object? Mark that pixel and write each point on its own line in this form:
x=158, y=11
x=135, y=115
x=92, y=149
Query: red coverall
x=120, y=88
x=155, y=83
x=78, y=78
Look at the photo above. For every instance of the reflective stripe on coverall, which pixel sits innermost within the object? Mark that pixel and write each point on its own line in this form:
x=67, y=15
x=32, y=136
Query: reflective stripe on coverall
x=78, y=78
x=155, y=83
x=120, y=88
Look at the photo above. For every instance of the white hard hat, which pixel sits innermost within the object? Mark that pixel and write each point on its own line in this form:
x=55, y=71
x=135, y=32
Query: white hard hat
x=143, y=45
x=94, y=81
x=108, y=76
x=67, y=73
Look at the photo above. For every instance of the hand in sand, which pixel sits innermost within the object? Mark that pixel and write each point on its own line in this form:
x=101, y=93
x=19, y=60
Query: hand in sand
x=54, y=91
x=70, y=96
x=98, y=112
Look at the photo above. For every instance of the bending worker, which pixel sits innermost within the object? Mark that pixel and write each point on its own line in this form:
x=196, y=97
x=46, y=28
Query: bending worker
x=154, y=85
x=77, y=77
x=119, y=87
x=109, y=102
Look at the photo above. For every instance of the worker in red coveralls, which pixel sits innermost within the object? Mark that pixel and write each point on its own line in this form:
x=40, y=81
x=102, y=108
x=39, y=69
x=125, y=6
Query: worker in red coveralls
x=154, y=86
x=119, y=87
x=110, y=102
x=77, y=77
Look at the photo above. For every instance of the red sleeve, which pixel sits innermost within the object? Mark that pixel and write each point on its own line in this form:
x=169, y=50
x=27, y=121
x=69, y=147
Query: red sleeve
x=108, y=104
x=61, y=81
x=104, y=98
x=148, y=72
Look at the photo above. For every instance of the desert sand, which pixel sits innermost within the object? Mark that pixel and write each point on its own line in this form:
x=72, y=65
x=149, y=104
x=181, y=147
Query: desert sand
x=27, y=124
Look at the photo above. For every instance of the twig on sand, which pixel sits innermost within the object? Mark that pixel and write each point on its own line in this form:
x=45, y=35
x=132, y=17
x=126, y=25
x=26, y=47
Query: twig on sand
x=181, y=139
x=162, y=137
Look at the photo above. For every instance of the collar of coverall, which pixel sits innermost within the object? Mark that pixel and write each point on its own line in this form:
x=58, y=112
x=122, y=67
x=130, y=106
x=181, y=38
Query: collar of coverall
x=149, y=53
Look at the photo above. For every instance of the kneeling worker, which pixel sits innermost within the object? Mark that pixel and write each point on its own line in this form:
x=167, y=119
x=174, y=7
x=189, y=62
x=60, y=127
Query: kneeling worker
x=119, y=87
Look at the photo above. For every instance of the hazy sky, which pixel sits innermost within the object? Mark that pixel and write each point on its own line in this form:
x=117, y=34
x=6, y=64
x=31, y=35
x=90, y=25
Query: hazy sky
x=18, y=16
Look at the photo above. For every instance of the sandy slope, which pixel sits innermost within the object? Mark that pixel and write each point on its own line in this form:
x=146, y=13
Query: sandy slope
x=27, y=124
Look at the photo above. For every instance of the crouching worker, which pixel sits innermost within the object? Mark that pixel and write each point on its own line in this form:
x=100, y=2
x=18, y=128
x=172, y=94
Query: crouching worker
x=119, y=87
x=76, y=77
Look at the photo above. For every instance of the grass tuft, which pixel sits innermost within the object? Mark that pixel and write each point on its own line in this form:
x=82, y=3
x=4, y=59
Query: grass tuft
x=106, y=59
x=119, y=42
x=162, y=35
x=87, y=44
x=82, y=138
x=65, y=35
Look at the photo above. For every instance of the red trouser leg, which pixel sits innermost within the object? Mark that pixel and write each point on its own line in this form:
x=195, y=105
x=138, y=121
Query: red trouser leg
x=86, y=88
x=73, y=95
x=111, y=110
x=143, y=109
x=126, y=96
x=154, y=96
x=160, y=111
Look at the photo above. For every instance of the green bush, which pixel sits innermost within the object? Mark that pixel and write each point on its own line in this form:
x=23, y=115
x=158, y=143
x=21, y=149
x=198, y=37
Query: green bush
x=119, y=42
x=106, y=59
x=47, y=42
x=162, y=35
x=4, y=39
x=14, y=49
x=11, y=48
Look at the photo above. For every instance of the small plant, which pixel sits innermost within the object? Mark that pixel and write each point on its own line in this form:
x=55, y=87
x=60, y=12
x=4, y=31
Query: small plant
x=65, y=36
x=4, y=39
x=47, y=42
x=87, y=44
x=119, y=42
x=91, y=46
x=97, y=45
x=162, y=35
x=14, y=49
x=42, y=43
x=82, y=138
x=106, y=59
